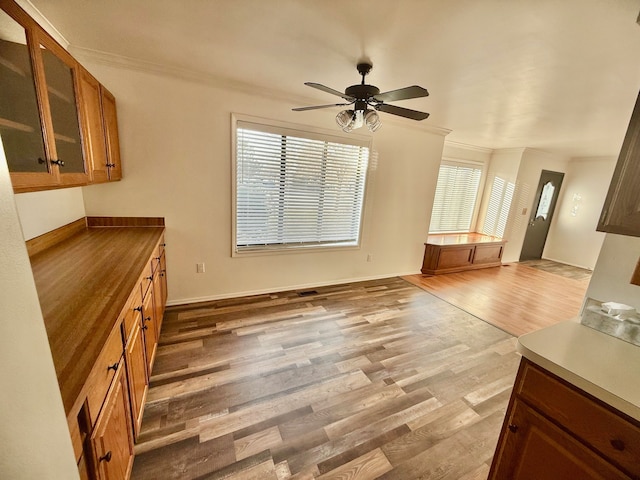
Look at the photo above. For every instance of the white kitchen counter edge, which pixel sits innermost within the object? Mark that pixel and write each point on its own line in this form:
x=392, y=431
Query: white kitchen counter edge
x=604, y=366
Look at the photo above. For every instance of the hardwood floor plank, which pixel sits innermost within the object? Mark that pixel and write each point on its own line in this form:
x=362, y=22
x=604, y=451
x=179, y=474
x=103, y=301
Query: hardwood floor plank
x=514, y=297
x=363, y=380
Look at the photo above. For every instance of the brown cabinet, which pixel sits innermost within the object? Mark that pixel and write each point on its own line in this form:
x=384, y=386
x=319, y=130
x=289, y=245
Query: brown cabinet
x=110, y=123
x=101, y=130
x=621, y=211
x=149, y=328
x=95, y=330
x=111, y=440
x=553, y=430
x=450, y=253
x=51, y=121
x=135, y=359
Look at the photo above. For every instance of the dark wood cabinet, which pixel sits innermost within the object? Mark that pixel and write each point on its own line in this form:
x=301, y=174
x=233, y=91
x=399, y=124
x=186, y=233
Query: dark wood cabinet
x=552, y=430
x=621, y=211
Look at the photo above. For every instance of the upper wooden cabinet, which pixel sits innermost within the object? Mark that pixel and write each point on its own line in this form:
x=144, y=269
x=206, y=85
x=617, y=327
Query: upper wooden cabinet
x=102, y=142
x=621, y=211
x=54, y=129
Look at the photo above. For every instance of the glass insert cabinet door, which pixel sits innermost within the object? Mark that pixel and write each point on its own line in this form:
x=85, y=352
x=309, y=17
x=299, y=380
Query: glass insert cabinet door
x=20, y=127
x=60, y=81
x=40, y=122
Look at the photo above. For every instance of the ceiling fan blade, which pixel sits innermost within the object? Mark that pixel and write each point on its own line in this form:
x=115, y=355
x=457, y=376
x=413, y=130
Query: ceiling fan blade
x=319, y=86
x=315, y=107
x=402, y=94
x=402, y=112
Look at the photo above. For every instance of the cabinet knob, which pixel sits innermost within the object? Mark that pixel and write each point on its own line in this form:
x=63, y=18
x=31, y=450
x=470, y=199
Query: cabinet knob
x=149, y=278
x=512, y=428
x=107, y=457
x=163, y=244
x=138, y=308
x=110, y=165
x=41, y=161
x=113, y=367
x=60, y=163
x=617, y=444
x=147, y=319
x=145, y=327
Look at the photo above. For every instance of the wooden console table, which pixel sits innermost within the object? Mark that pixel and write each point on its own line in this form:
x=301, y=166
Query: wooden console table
x=448, y=253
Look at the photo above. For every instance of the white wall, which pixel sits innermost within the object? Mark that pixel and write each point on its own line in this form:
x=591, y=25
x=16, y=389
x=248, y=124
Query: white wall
x=504, y=163
x=531, y=166
x=613, y=271
x=175, y=143
x=34, y=435
x=573, y=238
x=41, y=212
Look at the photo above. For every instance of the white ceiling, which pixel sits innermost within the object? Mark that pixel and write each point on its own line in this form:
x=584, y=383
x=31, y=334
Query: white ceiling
x=557, y=75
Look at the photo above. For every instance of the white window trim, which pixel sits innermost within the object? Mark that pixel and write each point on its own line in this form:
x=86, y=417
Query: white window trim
x=305, y=130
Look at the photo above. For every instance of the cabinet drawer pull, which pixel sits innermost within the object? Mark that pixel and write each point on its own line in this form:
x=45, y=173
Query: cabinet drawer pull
x=617, y=444
x=113, y=367
x=60, y=163
x=513, y=428
x=107, y=457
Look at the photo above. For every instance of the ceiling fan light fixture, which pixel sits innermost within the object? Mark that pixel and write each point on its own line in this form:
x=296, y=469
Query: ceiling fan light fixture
x=372, y=120
x=344, y=119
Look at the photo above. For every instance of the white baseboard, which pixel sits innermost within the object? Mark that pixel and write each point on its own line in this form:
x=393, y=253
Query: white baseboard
x=223, y=296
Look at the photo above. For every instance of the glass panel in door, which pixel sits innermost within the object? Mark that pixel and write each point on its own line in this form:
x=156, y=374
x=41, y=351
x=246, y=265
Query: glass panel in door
x=20, y=126
x=64, y=112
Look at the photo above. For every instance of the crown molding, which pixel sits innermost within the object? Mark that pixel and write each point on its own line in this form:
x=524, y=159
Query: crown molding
x=41, y=20
x=466, y=146
x=217, y=81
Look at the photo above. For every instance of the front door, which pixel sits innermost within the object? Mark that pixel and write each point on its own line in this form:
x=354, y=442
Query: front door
x=541, y=215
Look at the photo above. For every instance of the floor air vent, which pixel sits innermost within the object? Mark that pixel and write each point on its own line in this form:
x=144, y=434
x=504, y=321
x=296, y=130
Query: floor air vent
x=307, y=293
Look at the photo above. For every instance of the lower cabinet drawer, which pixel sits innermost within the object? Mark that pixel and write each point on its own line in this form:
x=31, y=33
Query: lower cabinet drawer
x=103, y=372
x=612, y=435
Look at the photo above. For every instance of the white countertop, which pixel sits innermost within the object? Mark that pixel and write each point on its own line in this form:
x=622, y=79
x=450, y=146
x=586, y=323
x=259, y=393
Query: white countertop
x=604, y=366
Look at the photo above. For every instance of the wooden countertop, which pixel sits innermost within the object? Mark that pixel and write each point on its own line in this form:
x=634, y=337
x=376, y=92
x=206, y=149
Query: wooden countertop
x=462, y=239
x=604, y=366
x=83, y=284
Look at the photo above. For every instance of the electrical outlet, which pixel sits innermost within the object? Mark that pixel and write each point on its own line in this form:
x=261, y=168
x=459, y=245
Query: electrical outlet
x=199, y=267
x=370, y=257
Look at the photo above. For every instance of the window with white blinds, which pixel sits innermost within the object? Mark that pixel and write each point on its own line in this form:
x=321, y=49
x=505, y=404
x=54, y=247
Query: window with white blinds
x=297, y=189
x=498, y=209
x=455, y=198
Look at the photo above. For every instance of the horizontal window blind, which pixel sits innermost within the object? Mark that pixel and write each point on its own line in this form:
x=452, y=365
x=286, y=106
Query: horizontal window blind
x=455, y=198
x=498, y=209
x=296, y=191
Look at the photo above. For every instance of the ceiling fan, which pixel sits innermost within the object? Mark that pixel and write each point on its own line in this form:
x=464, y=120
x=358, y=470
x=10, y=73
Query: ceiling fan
x=363, y=96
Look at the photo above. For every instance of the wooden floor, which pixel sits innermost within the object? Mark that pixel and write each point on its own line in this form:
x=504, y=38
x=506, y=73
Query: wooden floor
x=514, y=297
x=368, y=380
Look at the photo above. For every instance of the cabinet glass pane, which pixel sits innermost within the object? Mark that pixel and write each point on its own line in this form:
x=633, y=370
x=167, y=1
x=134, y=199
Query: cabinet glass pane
x=19, y=116
x=64, y=114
